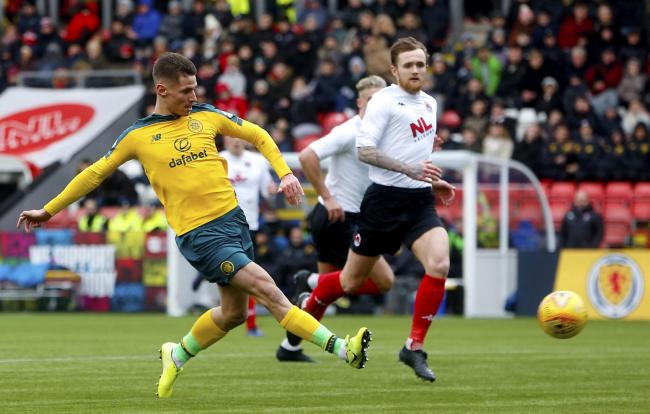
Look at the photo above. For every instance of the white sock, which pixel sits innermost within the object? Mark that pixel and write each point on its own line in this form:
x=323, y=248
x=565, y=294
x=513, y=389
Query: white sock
x=312, y=280
x=342, y=354
x=408, y=343
x=286, y=345
x=176, y=360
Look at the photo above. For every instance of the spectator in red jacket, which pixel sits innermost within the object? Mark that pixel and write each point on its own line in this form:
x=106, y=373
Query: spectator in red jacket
x=229, y=103
x=83, y=24
x=575, y=26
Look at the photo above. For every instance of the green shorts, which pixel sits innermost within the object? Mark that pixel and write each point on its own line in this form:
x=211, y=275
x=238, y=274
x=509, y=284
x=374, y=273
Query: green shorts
x=219, y=248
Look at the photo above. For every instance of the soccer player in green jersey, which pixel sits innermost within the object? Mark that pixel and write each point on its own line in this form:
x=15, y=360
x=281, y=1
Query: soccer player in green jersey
x=176, y=146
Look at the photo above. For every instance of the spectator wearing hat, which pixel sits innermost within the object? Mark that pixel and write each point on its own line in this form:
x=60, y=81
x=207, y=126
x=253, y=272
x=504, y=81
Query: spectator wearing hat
x=146, y=22
x=549, y=99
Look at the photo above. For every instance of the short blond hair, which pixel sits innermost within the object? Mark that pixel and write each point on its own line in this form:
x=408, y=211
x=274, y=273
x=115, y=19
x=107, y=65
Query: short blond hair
x=372, y=81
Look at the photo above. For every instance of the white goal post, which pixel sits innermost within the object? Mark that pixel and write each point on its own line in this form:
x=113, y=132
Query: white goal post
x=180, y=274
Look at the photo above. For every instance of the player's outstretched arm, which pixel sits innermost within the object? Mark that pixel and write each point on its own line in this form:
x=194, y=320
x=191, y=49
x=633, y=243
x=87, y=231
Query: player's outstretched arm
x=422, y=171
x=32, y=219
x=311, y=166
x=291, y=188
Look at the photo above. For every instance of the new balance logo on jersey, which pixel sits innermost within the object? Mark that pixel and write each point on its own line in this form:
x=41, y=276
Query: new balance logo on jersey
x=155, y=138
x=421, y=127
x=400, y=104
x=187, y=158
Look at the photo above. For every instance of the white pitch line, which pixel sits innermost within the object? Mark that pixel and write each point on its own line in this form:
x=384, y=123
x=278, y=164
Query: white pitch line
x=108, y=358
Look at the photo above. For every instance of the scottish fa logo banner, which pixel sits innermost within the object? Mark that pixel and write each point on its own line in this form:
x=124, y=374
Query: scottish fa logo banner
x=615, y=286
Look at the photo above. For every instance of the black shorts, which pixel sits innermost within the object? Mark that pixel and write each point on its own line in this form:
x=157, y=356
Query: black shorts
x=391, y=216
x=332, y=240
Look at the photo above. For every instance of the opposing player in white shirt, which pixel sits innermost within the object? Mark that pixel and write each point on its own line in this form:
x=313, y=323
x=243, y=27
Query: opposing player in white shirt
x=249, y=174
x=396, y=139
x=332, y=221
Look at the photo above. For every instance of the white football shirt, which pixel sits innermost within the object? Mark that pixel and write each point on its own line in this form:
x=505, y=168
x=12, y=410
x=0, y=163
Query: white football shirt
x=402, y=126
x=347, y=177
x=249, y=174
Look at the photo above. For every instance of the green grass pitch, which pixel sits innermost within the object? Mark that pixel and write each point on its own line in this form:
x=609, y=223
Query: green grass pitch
x=90, y=363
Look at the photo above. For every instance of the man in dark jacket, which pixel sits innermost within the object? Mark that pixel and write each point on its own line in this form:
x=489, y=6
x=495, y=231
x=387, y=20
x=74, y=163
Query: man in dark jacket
x=582, y=226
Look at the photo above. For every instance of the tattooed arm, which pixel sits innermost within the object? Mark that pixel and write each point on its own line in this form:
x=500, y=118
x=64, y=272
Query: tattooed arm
x=423, y=171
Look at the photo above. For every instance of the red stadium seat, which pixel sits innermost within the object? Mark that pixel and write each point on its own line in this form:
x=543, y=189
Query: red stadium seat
x=303, y=142
x=563, y=191
x=619, y=189
x=332, y=119
x=641, y=210
x=642, y=191
x=618, y=193
x=618, y=214
x=616, y=234
x=522, y=194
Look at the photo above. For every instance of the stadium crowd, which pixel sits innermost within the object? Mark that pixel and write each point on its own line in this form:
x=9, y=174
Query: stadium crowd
x=560, y=86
